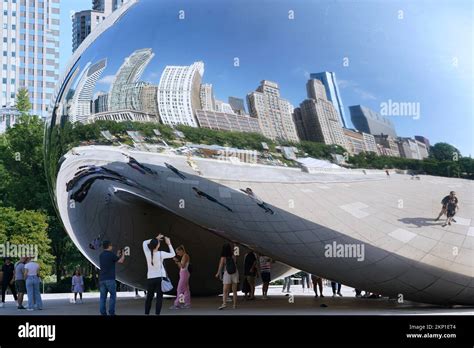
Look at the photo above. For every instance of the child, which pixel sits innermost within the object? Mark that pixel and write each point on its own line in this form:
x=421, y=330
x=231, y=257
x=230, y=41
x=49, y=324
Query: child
x=77, y=286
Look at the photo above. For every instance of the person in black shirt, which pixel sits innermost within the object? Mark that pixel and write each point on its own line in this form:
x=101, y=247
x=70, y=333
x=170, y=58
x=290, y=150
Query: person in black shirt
x=107, y=276
x=8, y=270
x=451, y=209
x=444, y=204
x=251, y=272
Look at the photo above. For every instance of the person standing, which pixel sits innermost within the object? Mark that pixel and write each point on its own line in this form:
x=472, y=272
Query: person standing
x=250, y=272
x=335, y=285
x=183, y=298
x=156, y=270
x=230, y=277
x=451, y=209
x=317, y=282
x=77, y=285
x=286, y=284
x=305, y=280
x=32, y=277
x=265, y=271
x=20, y=283
x=107, y=282
x=444, y=204
x=8, y=270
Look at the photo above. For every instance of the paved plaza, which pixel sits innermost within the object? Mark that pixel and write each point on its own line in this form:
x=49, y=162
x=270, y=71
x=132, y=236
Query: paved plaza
x=303, y=303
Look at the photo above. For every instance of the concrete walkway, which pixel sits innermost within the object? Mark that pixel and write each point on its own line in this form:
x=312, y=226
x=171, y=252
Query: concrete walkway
x=301, y=303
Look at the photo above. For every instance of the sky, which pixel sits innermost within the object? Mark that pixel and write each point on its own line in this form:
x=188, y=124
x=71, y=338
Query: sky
x=400, y=51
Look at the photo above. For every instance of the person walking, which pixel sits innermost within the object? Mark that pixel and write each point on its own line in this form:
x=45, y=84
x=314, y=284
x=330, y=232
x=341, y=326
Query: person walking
x=227, y=271
x=107, y=283
x=257, y=200
x=156, y=271
x=20, y=283
x=286, y=284
x=305, y=280
x=317, y=282
x=265, y=263
x=8, y=279
x=77, y=285
x=32, y=277
x=183, y=298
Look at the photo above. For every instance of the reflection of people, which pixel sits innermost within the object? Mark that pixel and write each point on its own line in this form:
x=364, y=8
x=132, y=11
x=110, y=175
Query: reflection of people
x=77, y=286
x=250, y=272
x=257, y=200
x=132, y=162
x=8, y=270
x=444, y=204
x=156, y=270
x=174, y=170
x=335, y=285
x=305, y=279
x=183, y=298
x=230, y=279
x=210, y=198
x=107, y=282
x=286, y=284
x=33, y=280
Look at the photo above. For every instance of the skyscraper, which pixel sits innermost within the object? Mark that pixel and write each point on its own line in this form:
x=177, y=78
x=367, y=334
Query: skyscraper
x=274, y=113
x=82, y=100
x=317, y=118
x=84, y=22
x=207, y=97
x=30, y=56
x=125, y=90
x=179, y=94
x=328, y=79
x=369, y=121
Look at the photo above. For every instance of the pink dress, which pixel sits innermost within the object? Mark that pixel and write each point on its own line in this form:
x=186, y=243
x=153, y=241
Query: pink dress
x=183, y=294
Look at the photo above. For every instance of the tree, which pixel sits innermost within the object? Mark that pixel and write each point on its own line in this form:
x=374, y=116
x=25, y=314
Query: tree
x=23, y=100
x=27, y=227
x=444, y=152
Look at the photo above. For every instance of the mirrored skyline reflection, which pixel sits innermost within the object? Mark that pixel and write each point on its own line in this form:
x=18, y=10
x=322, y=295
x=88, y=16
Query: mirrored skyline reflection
x=272, y=47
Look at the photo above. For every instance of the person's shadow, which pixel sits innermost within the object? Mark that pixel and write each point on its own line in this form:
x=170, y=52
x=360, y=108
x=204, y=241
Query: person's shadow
x=419, y=221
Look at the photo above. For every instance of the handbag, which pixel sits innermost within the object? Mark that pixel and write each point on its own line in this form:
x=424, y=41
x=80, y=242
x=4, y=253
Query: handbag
x=166, y=285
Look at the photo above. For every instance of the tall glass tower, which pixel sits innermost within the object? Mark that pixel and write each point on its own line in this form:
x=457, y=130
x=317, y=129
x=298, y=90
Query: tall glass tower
x=30, y=52
x=328, y=79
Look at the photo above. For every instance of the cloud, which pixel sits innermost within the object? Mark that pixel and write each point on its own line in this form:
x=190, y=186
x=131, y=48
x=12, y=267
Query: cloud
x=107, y=80
x=354, y=86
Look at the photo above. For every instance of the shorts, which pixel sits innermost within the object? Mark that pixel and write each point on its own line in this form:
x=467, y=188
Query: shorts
x=230, y=278
x=266, y=278
x=20, y=286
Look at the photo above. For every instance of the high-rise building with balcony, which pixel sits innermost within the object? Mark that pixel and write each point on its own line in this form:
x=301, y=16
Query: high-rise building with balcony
x=30, y=54
x=274, y=114
x=179, y=94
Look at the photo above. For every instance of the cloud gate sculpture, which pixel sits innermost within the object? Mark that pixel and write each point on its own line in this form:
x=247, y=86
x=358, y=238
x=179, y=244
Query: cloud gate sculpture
x=115, y=173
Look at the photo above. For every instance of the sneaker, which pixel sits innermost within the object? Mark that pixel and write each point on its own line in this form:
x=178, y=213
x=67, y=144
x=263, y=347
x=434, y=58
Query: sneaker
x=321, y=295
x=21, y=307
x=30, y=309
x=453, y=220
x=222, y=307
x=316, y=296
x=339, y=294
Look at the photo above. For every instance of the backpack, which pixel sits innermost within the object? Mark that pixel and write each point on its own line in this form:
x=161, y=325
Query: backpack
x=230, y=265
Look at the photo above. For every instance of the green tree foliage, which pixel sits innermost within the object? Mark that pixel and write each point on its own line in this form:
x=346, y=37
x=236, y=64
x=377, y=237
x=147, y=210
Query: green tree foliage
x=28, y=228
x=23, y=100
x=444, y=152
